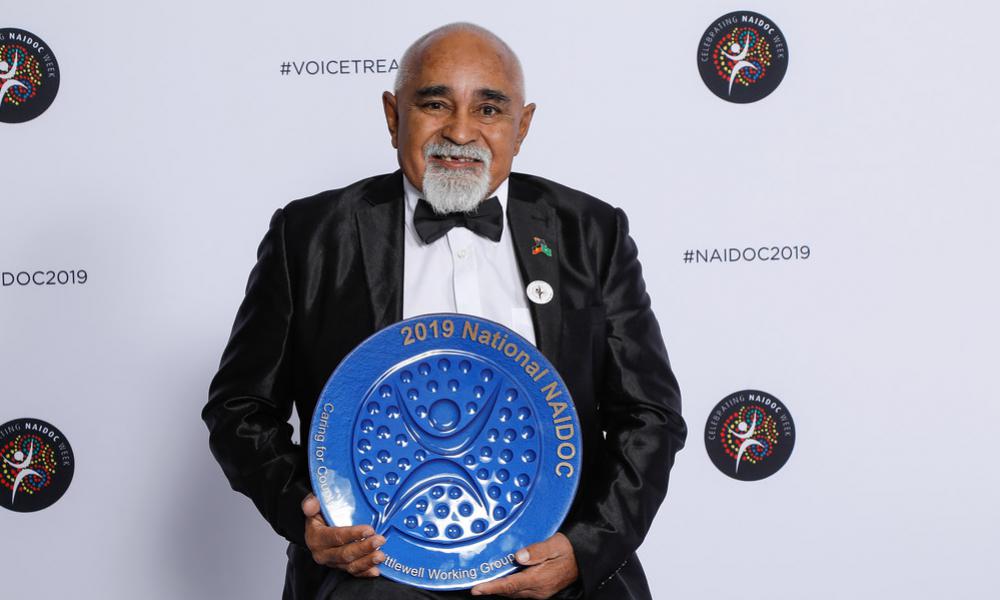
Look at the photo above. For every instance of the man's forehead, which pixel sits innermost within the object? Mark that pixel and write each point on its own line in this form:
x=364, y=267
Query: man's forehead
x=467, y=62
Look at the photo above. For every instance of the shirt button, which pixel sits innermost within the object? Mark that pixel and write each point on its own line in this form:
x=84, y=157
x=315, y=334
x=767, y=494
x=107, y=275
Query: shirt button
x=463, y=253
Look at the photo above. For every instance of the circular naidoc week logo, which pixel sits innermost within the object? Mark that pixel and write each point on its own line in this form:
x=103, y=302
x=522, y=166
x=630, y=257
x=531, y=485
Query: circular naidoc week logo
x=749, y=435
x=29, y=76
x=36, y=465
x=742, y=57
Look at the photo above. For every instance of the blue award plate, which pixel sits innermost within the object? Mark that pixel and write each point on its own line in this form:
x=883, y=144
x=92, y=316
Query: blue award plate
x=455, y=439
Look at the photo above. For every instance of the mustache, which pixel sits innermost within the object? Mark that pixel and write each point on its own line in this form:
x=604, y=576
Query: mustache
x=449, y=149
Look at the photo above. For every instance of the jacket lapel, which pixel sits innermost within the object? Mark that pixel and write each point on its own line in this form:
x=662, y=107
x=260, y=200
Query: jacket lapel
x=380, y=234
x=531, y=218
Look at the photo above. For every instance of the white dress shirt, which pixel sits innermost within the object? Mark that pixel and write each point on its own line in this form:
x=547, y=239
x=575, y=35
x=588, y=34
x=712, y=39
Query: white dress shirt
x=464, y=272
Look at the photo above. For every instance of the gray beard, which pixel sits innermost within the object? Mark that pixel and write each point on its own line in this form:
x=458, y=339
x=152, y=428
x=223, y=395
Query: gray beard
x=451, y=191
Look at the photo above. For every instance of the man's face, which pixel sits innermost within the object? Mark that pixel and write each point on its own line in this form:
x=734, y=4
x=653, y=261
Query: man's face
x=463, y=92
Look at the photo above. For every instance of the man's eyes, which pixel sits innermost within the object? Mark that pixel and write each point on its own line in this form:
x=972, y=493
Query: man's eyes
x=487, y=110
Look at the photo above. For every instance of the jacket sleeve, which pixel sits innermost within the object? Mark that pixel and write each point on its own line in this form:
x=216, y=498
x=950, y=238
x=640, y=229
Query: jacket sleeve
x=640, y=413
x=249, y=403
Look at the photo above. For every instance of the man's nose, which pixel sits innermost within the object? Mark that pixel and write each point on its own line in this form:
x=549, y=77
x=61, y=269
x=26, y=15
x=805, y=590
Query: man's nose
x=460, y=129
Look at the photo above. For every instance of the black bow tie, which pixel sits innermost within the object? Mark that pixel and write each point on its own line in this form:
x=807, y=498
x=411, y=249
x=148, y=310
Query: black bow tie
x=486, y=220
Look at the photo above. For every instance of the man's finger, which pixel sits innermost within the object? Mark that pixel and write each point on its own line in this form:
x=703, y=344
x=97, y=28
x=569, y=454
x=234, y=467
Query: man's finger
x=339, y=536
x=372, y=572
x=310, y=506
x=365, y=564
x=539, y=552
x=360, y=549
x=512, y=585
x=341, y=556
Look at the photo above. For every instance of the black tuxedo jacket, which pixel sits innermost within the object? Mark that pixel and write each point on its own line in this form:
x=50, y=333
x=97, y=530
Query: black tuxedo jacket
x=329, y=273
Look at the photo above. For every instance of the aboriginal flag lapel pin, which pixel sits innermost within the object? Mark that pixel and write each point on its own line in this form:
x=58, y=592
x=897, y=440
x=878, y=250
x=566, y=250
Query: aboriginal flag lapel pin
x=541, y=247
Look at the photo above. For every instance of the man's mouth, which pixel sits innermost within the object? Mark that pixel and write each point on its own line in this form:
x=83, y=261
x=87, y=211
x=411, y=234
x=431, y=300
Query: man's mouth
x=455, y=162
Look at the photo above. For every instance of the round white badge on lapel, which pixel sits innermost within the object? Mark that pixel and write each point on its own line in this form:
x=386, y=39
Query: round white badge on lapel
x=539, y=292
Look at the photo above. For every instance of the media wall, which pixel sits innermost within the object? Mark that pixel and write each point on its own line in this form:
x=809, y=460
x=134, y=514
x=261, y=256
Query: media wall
x=812, y=187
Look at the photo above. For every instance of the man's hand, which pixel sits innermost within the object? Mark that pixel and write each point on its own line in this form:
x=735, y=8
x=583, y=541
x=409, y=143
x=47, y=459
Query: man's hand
x=352, y=549
x=551, y=567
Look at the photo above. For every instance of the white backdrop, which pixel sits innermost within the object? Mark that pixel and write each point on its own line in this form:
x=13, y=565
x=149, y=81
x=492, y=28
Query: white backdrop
x=174, y=136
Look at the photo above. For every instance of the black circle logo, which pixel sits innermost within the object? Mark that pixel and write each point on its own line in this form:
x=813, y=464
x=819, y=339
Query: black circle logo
x=749, y=435
x=36, y=465
x=29, y=76
x=742, y=57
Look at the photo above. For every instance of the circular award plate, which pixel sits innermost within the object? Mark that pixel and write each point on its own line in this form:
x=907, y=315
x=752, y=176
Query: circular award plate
x=455, y=439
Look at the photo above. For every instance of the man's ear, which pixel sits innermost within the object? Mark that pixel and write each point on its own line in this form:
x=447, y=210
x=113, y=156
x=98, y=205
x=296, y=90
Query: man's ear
x=523, y=126
x=391, y=116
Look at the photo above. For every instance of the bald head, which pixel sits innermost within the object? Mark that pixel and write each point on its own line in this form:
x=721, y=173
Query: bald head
x=459, y=38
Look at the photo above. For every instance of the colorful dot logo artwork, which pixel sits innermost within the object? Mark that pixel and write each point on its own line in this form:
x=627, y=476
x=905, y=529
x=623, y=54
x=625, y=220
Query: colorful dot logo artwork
x=742, y=56
x=749, y=435
x=28, y=465
x=36, y=465
x=25, y=75
x=29, y=75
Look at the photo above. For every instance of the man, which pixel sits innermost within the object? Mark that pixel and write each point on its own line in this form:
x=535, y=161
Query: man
x=339, y=266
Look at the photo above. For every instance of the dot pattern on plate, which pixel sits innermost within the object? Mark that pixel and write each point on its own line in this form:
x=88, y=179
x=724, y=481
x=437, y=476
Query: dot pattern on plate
x=445, y=449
